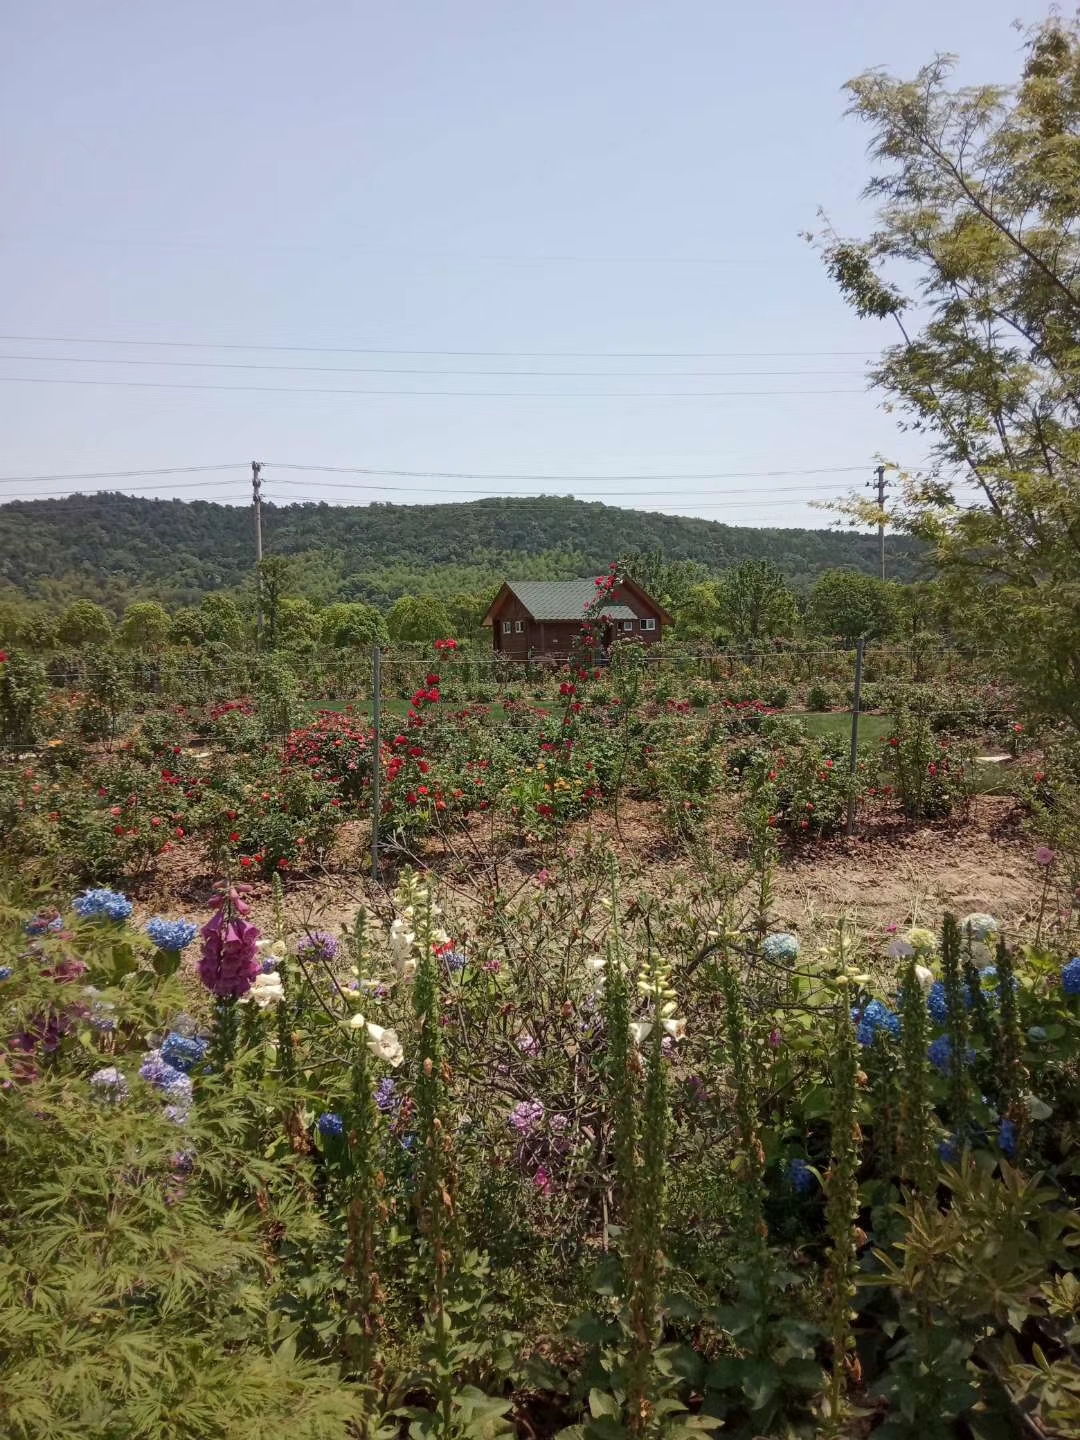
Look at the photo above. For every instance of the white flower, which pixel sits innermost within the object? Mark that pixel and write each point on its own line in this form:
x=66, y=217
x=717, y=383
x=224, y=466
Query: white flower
x=383, y=1044
x=640, y=1030
x=402, y=947
x=922, y=940
x=266, y=990
x=675, y=1028
x=925, y=978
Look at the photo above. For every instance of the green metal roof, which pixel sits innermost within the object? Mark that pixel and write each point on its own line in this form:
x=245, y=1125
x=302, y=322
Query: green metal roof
x=562, y=599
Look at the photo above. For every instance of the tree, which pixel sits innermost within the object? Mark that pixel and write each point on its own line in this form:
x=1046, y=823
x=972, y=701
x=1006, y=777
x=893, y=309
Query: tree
x=146, y=624
x=975, y=261
x=275, y=573
x=418, y=617
x=756, y=602
x=297, y=621
x=668, y=581
x=700, y=614
x=853, y=606
x=353, y=624
x=221, y=619
x=188, y=627
x=466, y=609
x=84, y=623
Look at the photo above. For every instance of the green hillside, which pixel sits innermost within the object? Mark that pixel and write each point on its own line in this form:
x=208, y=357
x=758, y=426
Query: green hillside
x=115, y=547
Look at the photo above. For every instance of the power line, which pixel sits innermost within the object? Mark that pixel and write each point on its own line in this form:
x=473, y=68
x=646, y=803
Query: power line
x=435, y=474
x=119, y=474
x=444, y=394
x=602, y=494
x=413, y=370
x=374, y=350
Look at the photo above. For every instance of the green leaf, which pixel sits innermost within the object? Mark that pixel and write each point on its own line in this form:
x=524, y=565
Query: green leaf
x=761, y=1381
x=601, y=1403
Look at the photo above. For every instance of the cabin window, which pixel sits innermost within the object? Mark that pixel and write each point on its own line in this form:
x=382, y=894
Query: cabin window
x=519, y=626
x=628, y=625
x=506, y=627
x=648, y=623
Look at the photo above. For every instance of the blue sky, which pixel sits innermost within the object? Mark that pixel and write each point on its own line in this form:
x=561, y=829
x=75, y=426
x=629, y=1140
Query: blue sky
x=624, y=183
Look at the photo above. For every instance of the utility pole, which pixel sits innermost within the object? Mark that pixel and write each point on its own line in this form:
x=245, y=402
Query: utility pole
x=879, y=483
x=256, y=506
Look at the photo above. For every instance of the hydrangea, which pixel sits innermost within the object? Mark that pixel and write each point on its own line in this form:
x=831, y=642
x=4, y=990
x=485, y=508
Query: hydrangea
x=455, y=961
x=269, y=964
x=386, y=1097
x=526, y=1116
x=177, y=1114
x=921, y=940
x=109, y=1082
x=875, y=1017
x=780, y=946
x=109, y=903
x=45, y=922
x=102, y=1014
x=320, y=943
x=799, y=1175
x=938, y=1004
x=1070, y=977
x=154, y=1067
x=6, y=972
x=183, y=1052
x=330, y=1123
x=1037, y=1034
x=980, y=925
x=949, y=1150
x=171, y=934
x=940, y=1054
x=177, y=1087
x=1008, y=1139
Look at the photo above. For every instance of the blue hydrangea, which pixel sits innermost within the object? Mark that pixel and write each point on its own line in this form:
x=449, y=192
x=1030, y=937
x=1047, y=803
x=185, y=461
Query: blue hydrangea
x=171, y=934
x=1037, y=1034
x=455, y=961
x=109, y=903
x=949, y=1150
x=1070, y=977
x=269, y=963
x=386, y=1097
x=6, y=972
x=780, y=946
x=330, y=1123
x=799, y=1175
x=940, y=1054
x=937, y=1004
x=44, y=924
x=177, y=1114
x=873, y=1018
x=102, y=1014
x=183, y=1052
x=153, y=1067
x=1008, y=1139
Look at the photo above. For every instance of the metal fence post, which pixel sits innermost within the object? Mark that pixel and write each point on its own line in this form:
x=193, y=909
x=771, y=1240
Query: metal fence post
x=376, y=757
x=856, y=702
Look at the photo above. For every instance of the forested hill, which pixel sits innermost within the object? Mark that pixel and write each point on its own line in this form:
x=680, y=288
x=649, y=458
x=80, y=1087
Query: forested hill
x=114, y=547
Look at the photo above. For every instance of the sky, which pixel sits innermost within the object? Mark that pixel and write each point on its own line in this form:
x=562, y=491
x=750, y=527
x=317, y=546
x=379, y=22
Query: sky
x=473, y=239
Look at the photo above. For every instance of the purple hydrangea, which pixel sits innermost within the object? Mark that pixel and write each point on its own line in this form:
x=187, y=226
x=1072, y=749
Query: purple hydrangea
x=45, y=922
x=455, y=961
x=526, y=1116
x=109, y=1082
x=875, y=1017
x=109, y=903
x=319, y=943
x=331, y=1123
